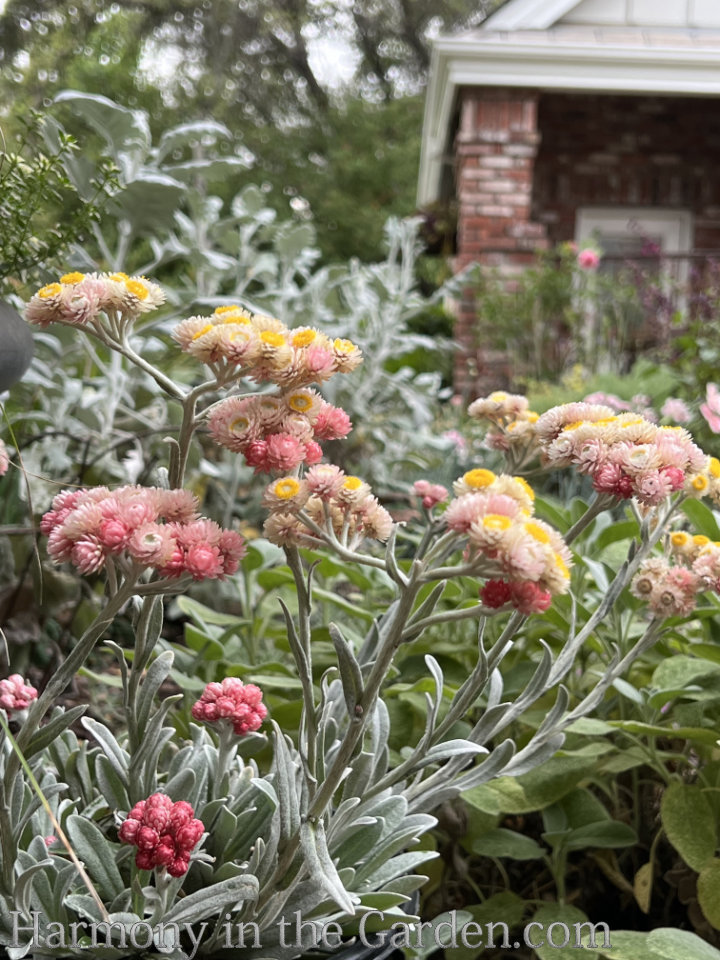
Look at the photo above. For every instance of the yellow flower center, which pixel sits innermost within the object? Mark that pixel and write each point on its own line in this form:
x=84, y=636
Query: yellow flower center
x=137, y=288
x=352, y=483
x=51, y=290
x=300, y=402
x=537, y=532
x=498, y=396
x=286, y=488
x=272, y=339
x=477, y=479
x=119, y=277
x=201, y=333
x=700, y=482
x=572, y=426
x=700, y=541
x=604, y=421
x=304, y=338
x=72, y=277
x=532, y=417
x=238, y=318
x=237, y=334
x=631, y=423
x=228, y=308
x=714, y=468
x=526, y=486
x=679, y=538
x=497, y=521
x=239, y=425
x=562, y=566
x=344, y=346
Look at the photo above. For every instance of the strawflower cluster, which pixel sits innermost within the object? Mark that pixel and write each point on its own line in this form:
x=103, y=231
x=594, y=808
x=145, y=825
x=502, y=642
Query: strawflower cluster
x=526, y=562
x=15, y=694
x=165, y=833
x=81, y=299
x=140, y=528
x=512, y=423
x=671, y=584
x=278, y=432
x=324, y=501
x=625, y=454
x=431, y=494
x=233, y=703
x=237, y=343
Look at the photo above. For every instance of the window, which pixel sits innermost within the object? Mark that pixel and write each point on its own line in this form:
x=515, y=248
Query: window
x=626, y=233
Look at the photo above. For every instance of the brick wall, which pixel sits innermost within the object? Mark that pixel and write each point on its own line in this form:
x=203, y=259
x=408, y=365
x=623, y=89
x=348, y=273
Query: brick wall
x=601, y=150
x=525, y=161
x=496, y=145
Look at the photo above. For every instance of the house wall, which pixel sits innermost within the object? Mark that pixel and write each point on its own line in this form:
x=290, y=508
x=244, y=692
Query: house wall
x=600, y=150
x=525, y=161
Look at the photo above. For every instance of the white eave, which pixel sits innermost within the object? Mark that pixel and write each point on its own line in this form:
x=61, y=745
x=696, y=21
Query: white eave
x=571, y=58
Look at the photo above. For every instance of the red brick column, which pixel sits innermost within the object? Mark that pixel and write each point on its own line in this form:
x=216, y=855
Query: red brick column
x=495, y=148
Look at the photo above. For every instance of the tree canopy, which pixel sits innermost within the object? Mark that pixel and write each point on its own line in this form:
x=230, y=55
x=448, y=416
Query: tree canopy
x=347, y=145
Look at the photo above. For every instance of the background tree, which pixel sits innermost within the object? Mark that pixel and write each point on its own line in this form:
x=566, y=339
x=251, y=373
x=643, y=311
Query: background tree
x=348, y=148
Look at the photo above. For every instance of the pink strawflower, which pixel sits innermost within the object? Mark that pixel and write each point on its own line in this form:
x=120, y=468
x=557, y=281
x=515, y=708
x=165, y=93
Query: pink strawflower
x=325, y=481
x=677, y=410
x=233, y=701
x=94, y=524
x=15, y=694
x=495, y=593
x=313, y=453
x=332, y=423
x=588, y=259
x=457, y=440
x=529, y=598
x=431, y=493
x=711, y=408
x=164, y=832
x=283, y=453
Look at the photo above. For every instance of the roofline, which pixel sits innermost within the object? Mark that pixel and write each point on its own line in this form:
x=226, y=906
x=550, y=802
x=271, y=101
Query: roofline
x=528, y=14
x=468, y=61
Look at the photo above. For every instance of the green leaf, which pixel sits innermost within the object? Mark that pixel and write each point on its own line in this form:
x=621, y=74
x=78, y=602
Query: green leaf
x=669, y=944
x=97, y=853
x=680, y=671
x=701, y=734
x=507, y=843
x=624, y=530
x=690, y=824
x=211, y=900
x=702, y=518
x=558, y=923
x=350, y=675
x=534, y=790
x=204, y=616
x=708, y=887
x=320, y=866
x=608, y=834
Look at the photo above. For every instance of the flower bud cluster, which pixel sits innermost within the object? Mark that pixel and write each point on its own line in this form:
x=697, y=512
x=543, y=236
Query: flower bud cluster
x=671, y=584
x=625, y=454
x=525, y=560
x=142, y=527
x=512, y=422
x=235, y=342
x=232, y=702
x=165, y=833
x=15, y=694
x=431, y=494
x=79, y=299
x=278, y=432
x=340, y=504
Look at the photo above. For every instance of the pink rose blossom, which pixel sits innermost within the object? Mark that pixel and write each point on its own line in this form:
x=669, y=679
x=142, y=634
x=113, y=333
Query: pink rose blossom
x=588, y=259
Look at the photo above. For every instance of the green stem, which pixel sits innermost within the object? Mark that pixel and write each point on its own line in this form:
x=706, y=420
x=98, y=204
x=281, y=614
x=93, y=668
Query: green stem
x=305, y=670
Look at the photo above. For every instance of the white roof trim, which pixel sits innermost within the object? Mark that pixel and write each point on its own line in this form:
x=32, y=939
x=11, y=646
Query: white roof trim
x=547, y=65
x=529, y=14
